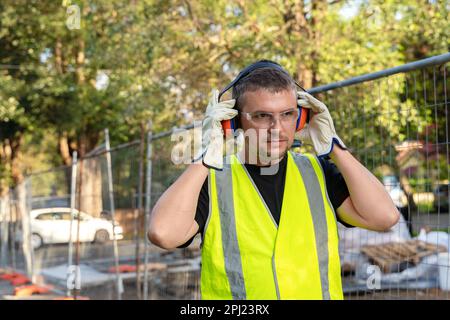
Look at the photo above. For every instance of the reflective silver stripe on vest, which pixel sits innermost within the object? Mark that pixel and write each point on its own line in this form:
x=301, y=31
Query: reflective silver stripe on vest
x=316, y=205
x=231, y=253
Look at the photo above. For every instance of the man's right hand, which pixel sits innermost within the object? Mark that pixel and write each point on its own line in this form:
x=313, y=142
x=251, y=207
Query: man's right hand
x=211, y=152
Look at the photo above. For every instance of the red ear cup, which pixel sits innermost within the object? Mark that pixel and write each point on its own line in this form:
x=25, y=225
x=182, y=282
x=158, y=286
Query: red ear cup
x=302, y=119
x=227, y=127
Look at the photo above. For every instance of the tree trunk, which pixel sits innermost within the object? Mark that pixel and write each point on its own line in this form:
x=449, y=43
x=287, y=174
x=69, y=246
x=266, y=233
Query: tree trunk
x=16, y=157
x=90, y=190
x=5, y=165
x=64, y=149
x=301, y=24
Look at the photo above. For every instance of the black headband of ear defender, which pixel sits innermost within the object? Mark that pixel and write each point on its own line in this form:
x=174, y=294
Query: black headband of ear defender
x=257, y=65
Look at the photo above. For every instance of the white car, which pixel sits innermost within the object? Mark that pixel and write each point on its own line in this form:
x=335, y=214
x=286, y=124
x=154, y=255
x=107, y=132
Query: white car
x=52, y=225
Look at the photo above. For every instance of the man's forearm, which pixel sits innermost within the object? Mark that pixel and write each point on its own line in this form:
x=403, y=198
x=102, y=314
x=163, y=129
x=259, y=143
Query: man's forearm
x=173, y=215
x=367, y=193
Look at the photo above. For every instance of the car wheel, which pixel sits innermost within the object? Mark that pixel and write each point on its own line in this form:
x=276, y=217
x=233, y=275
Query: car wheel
x=101, y=236
x=36, y=241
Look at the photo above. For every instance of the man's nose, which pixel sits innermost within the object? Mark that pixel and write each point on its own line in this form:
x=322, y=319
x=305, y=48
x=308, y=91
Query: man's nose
x=275, y=124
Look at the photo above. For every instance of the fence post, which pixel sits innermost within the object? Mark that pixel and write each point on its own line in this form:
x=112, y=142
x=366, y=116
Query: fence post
x=24, y=205
x=73, y=187
x=148, y=185
x=3, y=231
x=139, y=210
x=13, y=225
x=111, y=204
x=29, y=196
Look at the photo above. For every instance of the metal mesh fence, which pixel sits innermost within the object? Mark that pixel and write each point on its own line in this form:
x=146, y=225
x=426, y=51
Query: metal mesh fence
x=397, y=126
x=404, y=141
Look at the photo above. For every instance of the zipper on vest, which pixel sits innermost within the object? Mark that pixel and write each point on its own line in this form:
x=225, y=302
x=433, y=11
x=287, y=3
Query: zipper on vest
x=275, y=277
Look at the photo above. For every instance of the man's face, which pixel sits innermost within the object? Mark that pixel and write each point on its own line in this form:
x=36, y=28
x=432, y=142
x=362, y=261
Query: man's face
x=276, y=139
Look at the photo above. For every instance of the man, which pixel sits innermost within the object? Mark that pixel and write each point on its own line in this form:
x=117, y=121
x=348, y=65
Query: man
x=269, y=230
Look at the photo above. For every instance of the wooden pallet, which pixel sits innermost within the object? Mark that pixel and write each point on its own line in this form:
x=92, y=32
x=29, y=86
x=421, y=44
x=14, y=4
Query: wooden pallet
x=395, y=256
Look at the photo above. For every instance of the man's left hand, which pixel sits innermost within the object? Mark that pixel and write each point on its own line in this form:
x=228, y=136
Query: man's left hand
x=319, y=132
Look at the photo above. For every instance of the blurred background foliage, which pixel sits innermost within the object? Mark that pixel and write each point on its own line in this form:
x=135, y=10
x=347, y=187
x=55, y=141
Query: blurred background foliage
x=139, y=60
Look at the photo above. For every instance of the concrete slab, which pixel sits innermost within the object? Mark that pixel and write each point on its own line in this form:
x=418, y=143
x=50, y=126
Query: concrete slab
x=89, y=276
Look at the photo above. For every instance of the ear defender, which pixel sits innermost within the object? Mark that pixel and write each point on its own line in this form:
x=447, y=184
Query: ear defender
x=229, y=126
x=303, y=118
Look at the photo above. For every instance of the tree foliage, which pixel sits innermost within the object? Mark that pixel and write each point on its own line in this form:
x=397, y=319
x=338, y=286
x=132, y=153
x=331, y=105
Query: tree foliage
x=140, y=60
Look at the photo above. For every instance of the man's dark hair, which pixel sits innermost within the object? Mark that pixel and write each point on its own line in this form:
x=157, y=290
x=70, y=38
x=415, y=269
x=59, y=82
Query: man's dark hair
x=267, y=78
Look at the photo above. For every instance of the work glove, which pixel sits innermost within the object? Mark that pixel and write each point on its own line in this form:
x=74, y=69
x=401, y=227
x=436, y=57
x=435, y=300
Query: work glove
x=319, y=132
x=212, y=149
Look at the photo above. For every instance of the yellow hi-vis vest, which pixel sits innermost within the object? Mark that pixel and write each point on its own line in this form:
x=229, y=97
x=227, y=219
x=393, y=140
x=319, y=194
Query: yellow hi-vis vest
x=246, y=255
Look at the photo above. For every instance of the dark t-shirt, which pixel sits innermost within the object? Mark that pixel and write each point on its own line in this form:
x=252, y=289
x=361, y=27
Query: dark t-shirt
x=271, y=188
